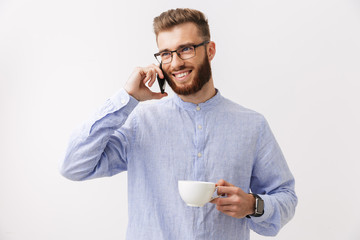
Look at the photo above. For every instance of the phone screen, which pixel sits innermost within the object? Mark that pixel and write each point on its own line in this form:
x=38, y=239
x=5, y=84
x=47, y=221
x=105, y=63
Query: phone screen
x=162, y=82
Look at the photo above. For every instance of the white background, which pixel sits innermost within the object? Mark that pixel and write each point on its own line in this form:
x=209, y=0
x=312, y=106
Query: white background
x=296, y=62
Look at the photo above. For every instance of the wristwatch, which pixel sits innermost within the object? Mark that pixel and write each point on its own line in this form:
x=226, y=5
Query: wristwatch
x=259, y=207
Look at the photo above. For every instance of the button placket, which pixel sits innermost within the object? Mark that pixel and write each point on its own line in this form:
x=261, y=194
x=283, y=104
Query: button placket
x=199, y=135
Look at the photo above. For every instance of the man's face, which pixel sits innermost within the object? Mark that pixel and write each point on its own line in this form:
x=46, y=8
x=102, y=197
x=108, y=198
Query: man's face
x=188, y=76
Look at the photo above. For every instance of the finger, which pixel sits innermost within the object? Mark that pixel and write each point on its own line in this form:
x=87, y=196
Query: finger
x=222, y=182
x=225, y=201
x=215, y=201
x=228, y=184
x=158, y=71
x=153, y=78
x=148, y=76
x=227, y=190
x=226, y=208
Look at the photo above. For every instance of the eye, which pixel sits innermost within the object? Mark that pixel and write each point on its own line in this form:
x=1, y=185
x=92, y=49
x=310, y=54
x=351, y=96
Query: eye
x=165, y=54
x=187, y=49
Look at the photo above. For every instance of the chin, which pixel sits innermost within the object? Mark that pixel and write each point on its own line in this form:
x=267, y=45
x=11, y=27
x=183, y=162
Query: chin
x=196, y=81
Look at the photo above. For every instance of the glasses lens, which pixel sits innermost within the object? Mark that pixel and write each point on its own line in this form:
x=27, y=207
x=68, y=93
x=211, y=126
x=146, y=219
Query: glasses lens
x=186, y=52
x=165, y=57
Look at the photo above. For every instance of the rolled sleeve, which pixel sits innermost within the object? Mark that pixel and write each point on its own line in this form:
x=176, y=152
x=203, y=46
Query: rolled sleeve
x=268, y=210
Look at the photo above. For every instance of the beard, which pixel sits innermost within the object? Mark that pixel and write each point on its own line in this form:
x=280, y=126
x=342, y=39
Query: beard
x=199, y=80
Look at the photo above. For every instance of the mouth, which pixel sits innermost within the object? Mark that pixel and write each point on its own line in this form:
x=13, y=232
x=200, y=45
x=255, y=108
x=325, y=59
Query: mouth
x=182, y=75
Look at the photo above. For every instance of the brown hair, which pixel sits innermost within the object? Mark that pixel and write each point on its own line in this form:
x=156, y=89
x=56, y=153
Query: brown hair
x=173, y=17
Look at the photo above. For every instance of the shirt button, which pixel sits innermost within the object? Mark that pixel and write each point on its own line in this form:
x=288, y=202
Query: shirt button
x=122, y=101
x=198, y=108
x=200, y=127
x=199, y=155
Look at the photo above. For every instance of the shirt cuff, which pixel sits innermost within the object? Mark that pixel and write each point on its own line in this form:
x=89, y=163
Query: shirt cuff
x=268, y=210
x=122, y=98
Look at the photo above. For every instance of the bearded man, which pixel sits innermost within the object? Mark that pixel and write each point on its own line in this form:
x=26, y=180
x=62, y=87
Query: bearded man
x=196, y=135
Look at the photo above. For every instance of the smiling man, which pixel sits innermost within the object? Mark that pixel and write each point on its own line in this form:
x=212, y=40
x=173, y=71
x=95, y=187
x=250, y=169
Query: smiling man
x=195, y=135
x=186, y=75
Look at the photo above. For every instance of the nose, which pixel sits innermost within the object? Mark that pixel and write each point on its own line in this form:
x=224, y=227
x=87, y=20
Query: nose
x=176, y=61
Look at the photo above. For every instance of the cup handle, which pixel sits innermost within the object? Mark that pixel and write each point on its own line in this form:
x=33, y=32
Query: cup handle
x=217, y=195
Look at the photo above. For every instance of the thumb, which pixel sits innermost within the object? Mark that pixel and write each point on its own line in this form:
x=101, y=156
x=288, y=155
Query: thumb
x=158, y=95
x=222, y=182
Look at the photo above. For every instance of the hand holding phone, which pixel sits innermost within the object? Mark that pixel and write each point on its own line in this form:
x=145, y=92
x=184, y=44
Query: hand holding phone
x=141, y=80
x=162, y=82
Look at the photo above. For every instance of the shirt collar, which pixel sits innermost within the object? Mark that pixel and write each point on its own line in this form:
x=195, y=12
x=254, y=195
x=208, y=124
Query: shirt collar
x=212, y=102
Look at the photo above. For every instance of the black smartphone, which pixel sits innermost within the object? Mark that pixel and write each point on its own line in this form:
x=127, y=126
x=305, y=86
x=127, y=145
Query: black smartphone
x=162, y=82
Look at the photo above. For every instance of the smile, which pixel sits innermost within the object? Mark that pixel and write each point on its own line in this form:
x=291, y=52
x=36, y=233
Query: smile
x=181, y=75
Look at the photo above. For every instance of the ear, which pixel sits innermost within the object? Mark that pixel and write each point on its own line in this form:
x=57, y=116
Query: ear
x=211, y=50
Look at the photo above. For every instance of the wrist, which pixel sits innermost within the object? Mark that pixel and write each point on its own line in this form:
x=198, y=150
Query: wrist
x=252, y=204
x=131, y=93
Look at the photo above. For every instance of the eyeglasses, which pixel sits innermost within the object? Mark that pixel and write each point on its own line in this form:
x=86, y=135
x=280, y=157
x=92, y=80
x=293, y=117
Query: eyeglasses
x=184, y=52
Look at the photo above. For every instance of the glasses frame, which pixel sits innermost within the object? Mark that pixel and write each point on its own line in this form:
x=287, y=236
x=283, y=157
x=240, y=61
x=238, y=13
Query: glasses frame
x=176, y=51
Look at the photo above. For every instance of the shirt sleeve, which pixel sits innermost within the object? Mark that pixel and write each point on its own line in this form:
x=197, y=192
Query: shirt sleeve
x=274, y=183
x=99, y=147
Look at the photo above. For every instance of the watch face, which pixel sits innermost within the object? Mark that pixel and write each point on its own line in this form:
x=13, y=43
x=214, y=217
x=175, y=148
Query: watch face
x=259, y=206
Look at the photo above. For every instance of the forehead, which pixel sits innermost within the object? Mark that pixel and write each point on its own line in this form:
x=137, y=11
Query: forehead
x=178, y=35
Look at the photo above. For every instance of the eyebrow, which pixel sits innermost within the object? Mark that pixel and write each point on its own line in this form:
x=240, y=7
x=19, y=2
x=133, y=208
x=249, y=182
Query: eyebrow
x=180, y=46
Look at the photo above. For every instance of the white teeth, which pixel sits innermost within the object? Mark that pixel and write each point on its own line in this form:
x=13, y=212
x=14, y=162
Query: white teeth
x=182, y=74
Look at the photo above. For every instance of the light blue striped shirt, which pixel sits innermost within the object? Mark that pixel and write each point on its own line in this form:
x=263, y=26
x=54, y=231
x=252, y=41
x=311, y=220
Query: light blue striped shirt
x=170, y=140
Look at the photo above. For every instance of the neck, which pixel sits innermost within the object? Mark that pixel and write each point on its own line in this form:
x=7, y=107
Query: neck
x=207, y=91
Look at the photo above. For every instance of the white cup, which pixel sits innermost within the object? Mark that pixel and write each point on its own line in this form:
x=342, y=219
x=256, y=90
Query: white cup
x=196, y=193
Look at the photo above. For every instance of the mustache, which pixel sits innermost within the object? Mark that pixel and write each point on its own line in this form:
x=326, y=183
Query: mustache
x=182, y=67
x=168, y=77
